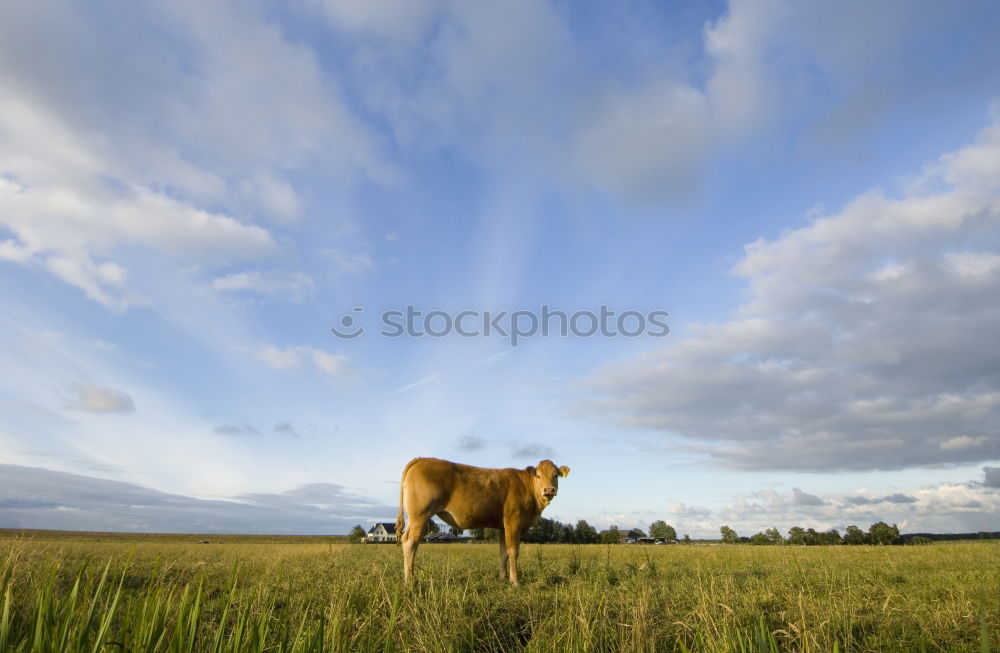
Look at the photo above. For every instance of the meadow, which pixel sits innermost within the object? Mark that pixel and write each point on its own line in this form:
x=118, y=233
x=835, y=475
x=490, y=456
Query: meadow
x=88, y=592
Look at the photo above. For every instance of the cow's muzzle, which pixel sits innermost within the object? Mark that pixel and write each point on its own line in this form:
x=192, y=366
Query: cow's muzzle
x=549, y=494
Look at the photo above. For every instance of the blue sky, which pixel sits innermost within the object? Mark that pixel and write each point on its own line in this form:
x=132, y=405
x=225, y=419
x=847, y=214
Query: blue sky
x=193, y=194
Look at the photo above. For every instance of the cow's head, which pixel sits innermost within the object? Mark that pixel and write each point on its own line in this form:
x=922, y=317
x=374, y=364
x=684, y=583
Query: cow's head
x=546, y=480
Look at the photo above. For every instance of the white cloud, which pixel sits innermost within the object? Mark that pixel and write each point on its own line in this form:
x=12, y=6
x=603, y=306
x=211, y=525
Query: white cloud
x=866, y=341
x=444, y=76
x=290, y=285
x=942, y=508
x=278, y=197
x=737, y=43
x=963, y=442
x=648, y=143
x=331, y=364
x=107, y=159
x=801, y=498
x=334, y=365
x=973, y=264
x=11, y=250
x=92, y=398
x=279, y=359
x=682, y=510
x=401, y=21
x=97, y=280
x=846, y=66
x=74, y=230
x=350, y=262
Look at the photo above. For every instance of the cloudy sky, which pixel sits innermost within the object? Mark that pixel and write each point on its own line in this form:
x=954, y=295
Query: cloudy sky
x=192, y=195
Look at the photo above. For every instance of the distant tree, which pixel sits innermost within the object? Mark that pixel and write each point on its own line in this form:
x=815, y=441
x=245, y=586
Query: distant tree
x=687, y=539
x=585, y=533
x=455, y=530
x=662, y=529
x=544, y=530
x=432, y=527
x=854, y=535
x=882, y=533
x=534, y=533
x=611, y=535
x=357, y=534
x=774, y=536
x=796, y=535
x=729, y=536
x=811, y=537
x=568, y=534
x=491, y=534
x=759, y=539
x=832, y=536
x=478, y=533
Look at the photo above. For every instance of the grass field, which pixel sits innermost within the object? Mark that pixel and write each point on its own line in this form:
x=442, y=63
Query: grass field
x=89, y=592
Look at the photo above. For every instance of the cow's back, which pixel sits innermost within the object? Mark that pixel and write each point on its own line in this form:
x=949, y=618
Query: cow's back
x=466, y=496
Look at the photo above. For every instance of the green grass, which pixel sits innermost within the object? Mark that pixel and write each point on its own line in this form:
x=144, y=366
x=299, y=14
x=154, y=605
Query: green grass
x=167, y=593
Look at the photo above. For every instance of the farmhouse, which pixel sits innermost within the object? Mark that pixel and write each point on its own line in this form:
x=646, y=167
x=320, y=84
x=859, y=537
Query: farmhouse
x=382, y=531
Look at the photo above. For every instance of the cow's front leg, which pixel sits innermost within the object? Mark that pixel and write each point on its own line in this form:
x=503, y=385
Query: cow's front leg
x=513, y=541
x=503, y=553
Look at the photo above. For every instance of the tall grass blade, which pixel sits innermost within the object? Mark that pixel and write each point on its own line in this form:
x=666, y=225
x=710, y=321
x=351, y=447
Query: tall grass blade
x=220, y=633
x=5, y=617
x=109, y=612
x=984, y=629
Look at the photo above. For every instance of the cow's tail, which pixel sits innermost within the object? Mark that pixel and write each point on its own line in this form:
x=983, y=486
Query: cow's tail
x=399, y=517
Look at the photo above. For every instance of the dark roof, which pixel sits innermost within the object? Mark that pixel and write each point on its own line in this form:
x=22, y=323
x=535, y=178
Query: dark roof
x=390, y=527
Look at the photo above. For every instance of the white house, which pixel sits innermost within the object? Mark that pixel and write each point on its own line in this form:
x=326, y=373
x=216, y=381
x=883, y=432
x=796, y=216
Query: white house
x=383, y=531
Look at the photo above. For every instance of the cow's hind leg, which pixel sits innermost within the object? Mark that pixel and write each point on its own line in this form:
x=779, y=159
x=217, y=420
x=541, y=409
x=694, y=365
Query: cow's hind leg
x=411, y=540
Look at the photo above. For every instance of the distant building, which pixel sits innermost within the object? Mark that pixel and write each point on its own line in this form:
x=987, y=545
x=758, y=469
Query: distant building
x=631, y=537
x=444, y=536
x=382, y=531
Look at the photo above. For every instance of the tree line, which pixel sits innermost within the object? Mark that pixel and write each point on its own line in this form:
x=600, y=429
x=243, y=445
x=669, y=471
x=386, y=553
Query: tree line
x=550, y=530
x=553, y=531
x=878, y=533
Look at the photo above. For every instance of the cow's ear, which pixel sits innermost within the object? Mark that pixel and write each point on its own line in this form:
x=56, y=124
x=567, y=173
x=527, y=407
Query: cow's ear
x=530, y=469
x=564, y=471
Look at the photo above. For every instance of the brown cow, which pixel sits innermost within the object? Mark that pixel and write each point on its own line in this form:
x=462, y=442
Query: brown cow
x=509, y=500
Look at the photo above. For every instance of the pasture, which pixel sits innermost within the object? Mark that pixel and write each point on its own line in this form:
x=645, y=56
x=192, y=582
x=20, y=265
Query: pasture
x=68, y=593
